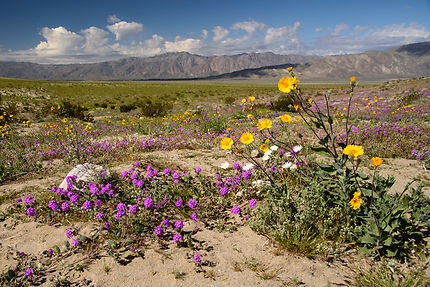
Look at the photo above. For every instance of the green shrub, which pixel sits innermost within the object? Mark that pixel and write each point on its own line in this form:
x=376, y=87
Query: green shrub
x=283, y=103
x=154, y=108
x=127, y=108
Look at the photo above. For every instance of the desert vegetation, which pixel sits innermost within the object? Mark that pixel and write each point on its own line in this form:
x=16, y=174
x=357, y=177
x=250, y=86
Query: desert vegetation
x=310, y=169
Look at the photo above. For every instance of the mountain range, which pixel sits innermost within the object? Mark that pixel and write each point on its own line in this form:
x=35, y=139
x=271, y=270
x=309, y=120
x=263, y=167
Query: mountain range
x=406, y=61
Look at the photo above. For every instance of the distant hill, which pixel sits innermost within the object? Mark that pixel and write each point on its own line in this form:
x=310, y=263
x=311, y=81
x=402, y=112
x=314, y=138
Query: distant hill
x=407, y=61
x=166, y=66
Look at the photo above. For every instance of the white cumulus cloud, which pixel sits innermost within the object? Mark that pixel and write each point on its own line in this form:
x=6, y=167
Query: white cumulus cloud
x=184, y=45
x=59, y=41
x=124, y=30
x=96, y=40
x=219, y=33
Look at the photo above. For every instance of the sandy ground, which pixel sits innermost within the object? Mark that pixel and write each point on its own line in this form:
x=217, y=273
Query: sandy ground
x=240, y=258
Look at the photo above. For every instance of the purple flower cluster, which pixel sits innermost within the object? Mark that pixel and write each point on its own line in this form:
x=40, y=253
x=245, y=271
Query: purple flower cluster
x=192, y=203
x=235, y=210
x=159, y=230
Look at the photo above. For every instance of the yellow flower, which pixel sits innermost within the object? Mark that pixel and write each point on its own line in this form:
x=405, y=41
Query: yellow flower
x=356, y=200
x=352, y=79
x=247, y=138
x=296, y=106
x=285, y=118
x=289, y=69
x=243, y=100
x=354, y=150
x=285, y=85
x=64, y=120
x=59, y=107
x=264, y=148
x=251, y=99
x=310, y=101
x=250, y=116
x=376, y=161
x=226, y=143
x=267, y=140
x=264, y=124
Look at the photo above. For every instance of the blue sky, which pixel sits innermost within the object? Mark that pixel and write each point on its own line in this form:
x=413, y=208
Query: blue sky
x=93, y=31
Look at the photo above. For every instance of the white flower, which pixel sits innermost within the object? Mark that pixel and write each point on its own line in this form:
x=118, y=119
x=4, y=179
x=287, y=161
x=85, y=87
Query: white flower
x=225, y=165
x=286, y=165
x=287, y=154
x=293, y=166
x=248, y=166
x=297, y=148
x=274, y=147
x=269, y=152
x=265, y=157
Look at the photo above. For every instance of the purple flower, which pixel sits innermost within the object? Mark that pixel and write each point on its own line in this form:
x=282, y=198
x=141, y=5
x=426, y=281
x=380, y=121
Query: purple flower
x=165, y=222
x=252, y=203
x=54, y=188
x=132, y=209
x=192, y=203
x=121, y=206
x=65, y=206
x=176, y=181
x=198, y=170
x=167, y=171
x=124, y=174
x=19, y=199
x=159, y=230
x=175, y=175
x=197, y=257
x=177, y=237
x=237, y=166
x=29, y=274
x=178, y=203
x=235, y=210
x=31, y=212
x=50, y=252
x=74, y=199
x=86, y=205
x=119, y=214
x=98, y=202
x=29, y=199
x=219, y=183
x=148, y=202
x=178, y=224
x=140, y=183
x=100, y=215
x=133, y=175
x=60, y=191
x=194, y=216
x=75, y=243
x=69, y=233
x=53, y=205
x=414, y=151
x=223, y=190
x=136, y=163
x=107, y=226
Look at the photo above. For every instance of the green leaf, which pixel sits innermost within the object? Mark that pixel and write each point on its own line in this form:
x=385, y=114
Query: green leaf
x=367, y=239
x=56, y=249
x=112, y=244
x=9, y=275
x=391, y=253
x=363, y=176
x=321, y=150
